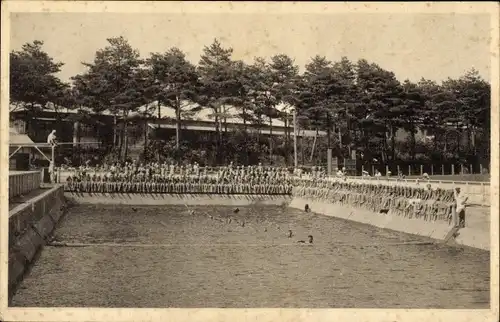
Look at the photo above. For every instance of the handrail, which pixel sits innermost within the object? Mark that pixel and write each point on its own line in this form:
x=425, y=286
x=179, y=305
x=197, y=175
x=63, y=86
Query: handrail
x=418, y=180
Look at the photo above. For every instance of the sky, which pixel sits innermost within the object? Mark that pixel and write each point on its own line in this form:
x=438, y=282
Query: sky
x=412, y=45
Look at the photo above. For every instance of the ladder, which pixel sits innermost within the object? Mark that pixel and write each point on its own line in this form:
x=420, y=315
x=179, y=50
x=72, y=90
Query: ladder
x=451, y=234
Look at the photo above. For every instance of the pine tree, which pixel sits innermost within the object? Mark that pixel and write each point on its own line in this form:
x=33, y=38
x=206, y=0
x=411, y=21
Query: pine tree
x=173, y=82
x=33, y=83
x=116, y=81
x=216, y=84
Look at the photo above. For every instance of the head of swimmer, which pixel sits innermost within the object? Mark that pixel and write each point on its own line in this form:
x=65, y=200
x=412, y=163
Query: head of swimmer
x=310, y=237
x=306, y=208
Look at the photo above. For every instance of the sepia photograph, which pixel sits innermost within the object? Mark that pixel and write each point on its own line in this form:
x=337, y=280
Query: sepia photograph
x=225, y=155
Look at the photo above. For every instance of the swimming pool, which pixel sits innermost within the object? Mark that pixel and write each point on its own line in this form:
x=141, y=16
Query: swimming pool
x=178, y=256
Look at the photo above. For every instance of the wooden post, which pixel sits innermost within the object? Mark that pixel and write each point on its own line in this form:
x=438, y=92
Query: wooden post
x=409, y=170
x=295, y=161
x=432, y=169
x=442, y=169
x=452, y=169
x=421, y=170
x=454, y=216
x=386, y=170
x=53, y=165
x=480, y=168
x=329, y=161
x=471, y=169
x=373, y=170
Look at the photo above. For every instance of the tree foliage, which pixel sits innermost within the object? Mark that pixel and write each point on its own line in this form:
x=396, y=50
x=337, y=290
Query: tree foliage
x=359, y=105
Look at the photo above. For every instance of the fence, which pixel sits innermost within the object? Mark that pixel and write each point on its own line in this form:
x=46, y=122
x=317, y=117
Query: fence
x=430, y=169
x=23, y=182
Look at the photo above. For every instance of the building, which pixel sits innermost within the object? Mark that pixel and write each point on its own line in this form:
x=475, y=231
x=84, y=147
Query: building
x=96, y=127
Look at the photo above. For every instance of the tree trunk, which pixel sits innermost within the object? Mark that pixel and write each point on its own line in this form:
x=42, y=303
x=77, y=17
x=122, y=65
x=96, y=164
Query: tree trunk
x=271, y=140
x=125, y=153
x=158, y=131
x=145, y=137
x=177, y=123
x=473, y=141
x=225, y=120
x=76, y=133
x=393, y=144
x=412, y=143
x=114, y=131
x=244, y=112
x=286, y=140
x=217, y=136
x=120, y=142
x=328, y=131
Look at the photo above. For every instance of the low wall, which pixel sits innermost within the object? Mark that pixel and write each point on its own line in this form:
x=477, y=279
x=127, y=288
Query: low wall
x=174, y=199
x=30, y=224
x=22, y=182
x=476, y=234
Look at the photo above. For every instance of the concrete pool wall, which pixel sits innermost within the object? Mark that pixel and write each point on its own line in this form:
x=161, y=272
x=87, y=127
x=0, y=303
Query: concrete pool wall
x=30, y=224
x=476, y=234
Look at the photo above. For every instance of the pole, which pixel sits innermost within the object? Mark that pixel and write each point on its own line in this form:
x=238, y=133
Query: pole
x=295, y=161
x=329, y=161
x=53, y=164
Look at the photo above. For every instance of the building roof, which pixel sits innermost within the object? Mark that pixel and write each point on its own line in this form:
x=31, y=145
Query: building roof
x=204, y=114
x=278, y=131
x=18, y=139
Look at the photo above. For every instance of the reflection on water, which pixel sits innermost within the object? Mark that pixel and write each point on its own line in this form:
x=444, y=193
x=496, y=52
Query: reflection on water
x=193, y=260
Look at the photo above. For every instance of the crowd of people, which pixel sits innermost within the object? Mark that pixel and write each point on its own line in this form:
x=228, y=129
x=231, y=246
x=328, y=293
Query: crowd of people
x=164, y=178
x=407, y=201
x=419, y=201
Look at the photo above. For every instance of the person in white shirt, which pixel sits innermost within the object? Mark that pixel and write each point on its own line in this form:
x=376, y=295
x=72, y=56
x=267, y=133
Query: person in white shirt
x=461, y=203
x=52, y=139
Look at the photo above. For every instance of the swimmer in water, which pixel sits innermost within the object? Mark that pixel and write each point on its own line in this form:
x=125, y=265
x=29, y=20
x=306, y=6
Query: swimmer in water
x=310, y=237
x=290, y=234
x=237, y=210
x=306, y=208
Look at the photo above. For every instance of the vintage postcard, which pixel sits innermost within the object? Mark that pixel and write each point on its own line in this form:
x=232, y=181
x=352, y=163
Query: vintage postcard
x=249, y=161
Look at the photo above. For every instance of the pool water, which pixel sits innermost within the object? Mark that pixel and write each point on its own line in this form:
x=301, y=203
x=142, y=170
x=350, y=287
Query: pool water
x=174, y=256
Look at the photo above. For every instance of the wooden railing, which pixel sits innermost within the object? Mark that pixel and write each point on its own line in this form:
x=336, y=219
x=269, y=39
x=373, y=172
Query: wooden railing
x=23, y=182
